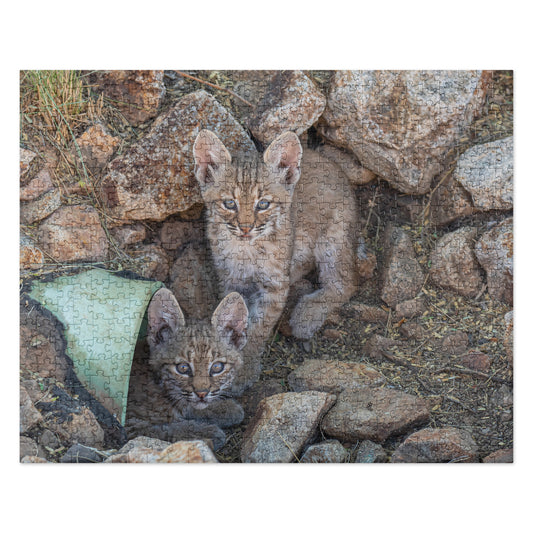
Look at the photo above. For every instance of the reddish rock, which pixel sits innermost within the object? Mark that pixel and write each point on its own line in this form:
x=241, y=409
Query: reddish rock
x=410, y=309
x=442, y=445
x=292, y=103
x=96, y=147
x=402, y=275
x=129, y=234
x=136, y=93
x=475, y=360
x=333, y=376
x=455, y=343
x=373, y=414
x=31, y=257
x=494, y=251
x=36, y=210
x=154, y=178
x=39, y=185
x=500, y=456
x=74, y=233
x=402, y=124
x=454, y=265
x=368, y=313
x=377, y=345
x=80, y=426
x=508, y=336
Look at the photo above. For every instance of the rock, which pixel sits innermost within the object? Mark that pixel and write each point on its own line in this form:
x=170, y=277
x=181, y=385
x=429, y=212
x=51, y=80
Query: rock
x=508, y=337
x=330, y=451
x=36, y=210
x=31, y=257
x=455, y=343
x=494, y=251
x=155, y=451
x=486, y=172
x=412, y=331
x=500, y=456
x=49, y=440
x=377, y=345
x=128, y=234
x=402, y=275
x=175, y=233
x=292, y=103
x=136, y=93
x=96, y=147
x=26, y=158
x=401, y=124
x=257, y=392
x=368, y=313
x=282, y=425
x=73, y=233
x=29, y=415
x=475, y=360
x=332, y=334
x=349, y=165
x=373, y=414
x=155, y=261
x=333, y=376
x=442, y=445
x=154, y=178
x=33, y=459
x=454, y=265
x=78, y=453
x=410, y=309
x=41, y=345
x=370, y=452
x=449, y=202
x=29, y=447
x=79, y=426
x=36, y=187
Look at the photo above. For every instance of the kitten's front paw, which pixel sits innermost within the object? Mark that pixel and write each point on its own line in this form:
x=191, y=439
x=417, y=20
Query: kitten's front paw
x=307, y=318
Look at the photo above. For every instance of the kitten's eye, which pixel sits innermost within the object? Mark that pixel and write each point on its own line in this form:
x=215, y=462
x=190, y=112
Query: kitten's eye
x=263, y=204
x=184, y=369
x=216, y=368
x=230, y=204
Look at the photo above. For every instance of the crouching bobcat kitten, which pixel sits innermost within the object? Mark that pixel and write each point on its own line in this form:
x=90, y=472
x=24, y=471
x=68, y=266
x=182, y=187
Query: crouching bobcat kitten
x=180, y=385
x=268, y=227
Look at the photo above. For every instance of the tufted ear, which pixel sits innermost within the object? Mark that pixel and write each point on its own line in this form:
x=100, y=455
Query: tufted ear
x=284, y=154
x=230, y=320
x=209, y=154
x=164, y=317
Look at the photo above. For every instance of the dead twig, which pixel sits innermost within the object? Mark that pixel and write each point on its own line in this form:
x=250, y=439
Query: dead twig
x=473, y=373
x=214, y=86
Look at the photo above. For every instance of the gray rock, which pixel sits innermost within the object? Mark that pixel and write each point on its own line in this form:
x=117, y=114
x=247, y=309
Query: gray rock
x=36, y=187
x=154, y=178
x=486, y=172
x=282, y=425
x=494, y=251
x=454, y=265
x=29, y=447
x=442, y=445
x=292, y=103
x=401, y=124
x=82, y=454
x=29, y=415
x=42, y=207
x=371, y=452
x=333, y=376
x=373, y=414
x=500, y=456
x=402, y=274
x=330, y=451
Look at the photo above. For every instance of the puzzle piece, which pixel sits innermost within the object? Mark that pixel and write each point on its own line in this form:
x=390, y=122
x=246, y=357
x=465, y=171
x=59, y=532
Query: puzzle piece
x=338, y=252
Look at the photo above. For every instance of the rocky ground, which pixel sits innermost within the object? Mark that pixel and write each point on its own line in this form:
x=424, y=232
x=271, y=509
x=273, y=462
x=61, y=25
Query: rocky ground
x=417, y=367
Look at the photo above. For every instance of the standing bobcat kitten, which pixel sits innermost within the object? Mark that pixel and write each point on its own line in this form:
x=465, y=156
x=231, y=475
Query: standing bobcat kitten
x=180, y=387
x=268, y=227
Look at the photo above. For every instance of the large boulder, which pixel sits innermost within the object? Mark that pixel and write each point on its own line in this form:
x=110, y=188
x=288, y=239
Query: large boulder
x=401, y=124
x=154, y=178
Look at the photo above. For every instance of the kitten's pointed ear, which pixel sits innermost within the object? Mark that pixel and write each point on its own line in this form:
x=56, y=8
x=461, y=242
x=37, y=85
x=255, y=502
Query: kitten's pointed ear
x=230, y=320
x=209, y=153
x=164, y=316
x=285, y=153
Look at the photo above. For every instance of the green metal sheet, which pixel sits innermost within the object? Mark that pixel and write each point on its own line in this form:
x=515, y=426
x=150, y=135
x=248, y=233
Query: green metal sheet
x=103, y=315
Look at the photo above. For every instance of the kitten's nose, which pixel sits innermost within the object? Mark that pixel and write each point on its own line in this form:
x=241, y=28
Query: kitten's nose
x=202, y=393
x=246, y=229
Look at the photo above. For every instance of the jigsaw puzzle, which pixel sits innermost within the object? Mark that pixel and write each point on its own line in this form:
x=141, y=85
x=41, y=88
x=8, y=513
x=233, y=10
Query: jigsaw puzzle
x=266, y=266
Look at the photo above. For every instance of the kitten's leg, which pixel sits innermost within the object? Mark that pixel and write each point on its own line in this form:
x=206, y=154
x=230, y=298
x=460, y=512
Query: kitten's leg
x=176, y=431
x=338, y=282
x=223, y=413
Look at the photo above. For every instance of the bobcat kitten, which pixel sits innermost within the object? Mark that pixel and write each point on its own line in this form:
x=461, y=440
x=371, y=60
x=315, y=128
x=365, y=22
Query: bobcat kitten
x=268, y=227
x=180, y=387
